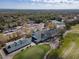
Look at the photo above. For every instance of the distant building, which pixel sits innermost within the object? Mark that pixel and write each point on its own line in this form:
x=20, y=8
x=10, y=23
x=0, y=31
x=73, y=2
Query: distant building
x=59, y=25
x=36, y=27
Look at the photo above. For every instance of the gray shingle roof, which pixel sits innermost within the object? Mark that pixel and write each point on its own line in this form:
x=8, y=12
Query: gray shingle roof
x=45, y=34
x=18, y=44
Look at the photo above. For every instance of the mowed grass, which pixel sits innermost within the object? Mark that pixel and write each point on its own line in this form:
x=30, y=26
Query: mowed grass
x=69, y=38
x=70, y=45
x=69, y=48
x=0, y=56
x=36, y=52
x=76, y=27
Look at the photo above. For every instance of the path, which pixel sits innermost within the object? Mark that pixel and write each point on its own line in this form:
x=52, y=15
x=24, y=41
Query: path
x=48, y=51
x=73, y=31
x=53, y=45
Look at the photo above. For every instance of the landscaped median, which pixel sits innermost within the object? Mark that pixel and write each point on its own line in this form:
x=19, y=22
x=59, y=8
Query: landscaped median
x=35, y=52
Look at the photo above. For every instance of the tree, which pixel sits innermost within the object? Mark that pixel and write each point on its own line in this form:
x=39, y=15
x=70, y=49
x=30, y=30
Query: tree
x=50, y=25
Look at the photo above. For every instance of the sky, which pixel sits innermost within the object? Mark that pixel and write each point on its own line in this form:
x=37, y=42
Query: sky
x=39, y=4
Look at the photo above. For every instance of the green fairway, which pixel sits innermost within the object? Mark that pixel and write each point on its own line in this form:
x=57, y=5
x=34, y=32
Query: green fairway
x=69, y=48
x=36, y=52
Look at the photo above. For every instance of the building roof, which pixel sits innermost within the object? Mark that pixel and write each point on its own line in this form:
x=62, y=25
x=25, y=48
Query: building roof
x=45, y=34
x=21, y=39
x=58, y=22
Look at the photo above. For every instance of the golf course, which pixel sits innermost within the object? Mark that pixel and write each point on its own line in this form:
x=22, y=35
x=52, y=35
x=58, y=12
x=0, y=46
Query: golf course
x=69, y=46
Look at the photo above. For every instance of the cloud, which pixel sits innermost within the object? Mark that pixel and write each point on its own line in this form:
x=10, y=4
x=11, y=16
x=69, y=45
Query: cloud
x=58, y=1
x=37, y=4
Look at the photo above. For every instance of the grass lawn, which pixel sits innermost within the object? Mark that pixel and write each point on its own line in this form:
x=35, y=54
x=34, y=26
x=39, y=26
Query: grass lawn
x=0, y=56
x=69, y=48
x=76, y=27
x=36, y=52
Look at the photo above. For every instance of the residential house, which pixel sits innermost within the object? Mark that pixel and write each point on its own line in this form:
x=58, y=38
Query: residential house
x=35, y=27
